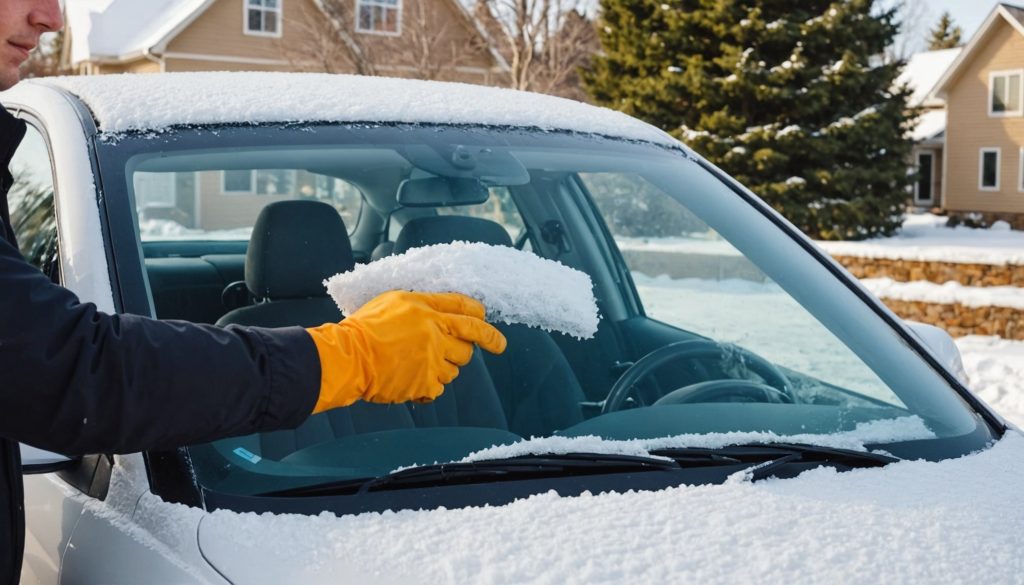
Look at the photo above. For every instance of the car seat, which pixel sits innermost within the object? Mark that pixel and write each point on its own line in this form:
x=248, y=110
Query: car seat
x=294, y=246
x=536, y=385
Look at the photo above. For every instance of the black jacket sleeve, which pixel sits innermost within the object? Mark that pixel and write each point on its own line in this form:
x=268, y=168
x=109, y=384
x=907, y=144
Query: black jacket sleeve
x=75, y=380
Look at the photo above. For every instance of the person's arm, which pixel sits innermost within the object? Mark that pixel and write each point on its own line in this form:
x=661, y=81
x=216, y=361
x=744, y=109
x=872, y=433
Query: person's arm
x=75, y=380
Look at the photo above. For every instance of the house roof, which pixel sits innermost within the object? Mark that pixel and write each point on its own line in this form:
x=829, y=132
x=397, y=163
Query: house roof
x=126, y=29
x=923, y=71
x=1008, y=13
x=122, y=30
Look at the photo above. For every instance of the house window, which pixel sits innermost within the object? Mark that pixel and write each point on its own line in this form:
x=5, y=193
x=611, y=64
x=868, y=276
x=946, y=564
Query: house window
x=379, y=16
x=1005, y=93
x=275, y=182
x=988, y=175
x=925, y=177
x=239, y=182
x=263, y=17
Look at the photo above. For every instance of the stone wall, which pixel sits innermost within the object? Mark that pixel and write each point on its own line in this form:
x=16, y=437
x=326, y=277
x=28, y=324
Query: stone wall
x=938, y=272
x=959, y=320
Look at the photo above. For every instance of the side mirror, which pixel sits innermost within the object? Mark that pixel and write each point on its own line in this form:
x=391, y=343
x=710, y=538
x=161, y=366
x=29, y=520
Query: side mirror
x=943, y=348
x=35, y=461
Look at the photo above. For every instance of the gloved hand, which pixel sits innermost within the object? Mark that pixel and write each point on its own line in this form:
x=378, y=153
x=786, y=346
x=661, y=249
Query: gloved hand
x=399, y=347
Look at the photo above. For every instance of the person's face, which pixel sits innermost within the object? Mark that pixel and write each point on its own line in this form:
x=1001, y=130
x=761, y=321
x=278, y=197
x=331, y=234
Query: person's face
x=21, y=24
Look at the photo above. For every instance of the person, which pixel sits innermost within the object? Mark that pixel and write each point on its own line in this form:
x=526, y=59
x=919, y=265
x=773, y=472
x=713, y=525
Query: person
x=75, y=380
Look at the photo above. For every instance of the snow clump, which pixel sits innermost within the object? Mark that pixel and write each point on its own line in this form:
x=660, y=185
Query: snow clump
x=515, y=286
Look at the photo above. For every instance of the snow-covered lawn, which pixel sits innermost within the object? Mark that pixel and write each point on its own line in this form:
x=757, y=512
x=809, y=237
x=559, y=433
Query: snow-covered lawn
x=762, y=318
x=925, y=237
x=996, y=369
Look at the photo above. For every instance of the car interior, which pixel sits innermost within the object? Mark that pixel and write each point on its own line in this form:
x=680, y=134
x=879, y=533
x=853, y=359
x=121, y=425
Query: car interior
x=276, y=279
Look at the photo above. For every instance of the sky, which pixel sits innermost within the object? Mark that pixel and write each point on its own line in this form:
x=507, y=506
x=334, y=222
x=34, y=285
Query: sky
x=969, y=14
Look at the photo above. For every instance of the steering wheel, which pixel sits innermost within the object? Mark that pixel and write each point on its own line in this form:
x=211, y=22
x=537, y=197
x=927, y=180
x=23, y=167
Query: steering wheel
x=775, y=389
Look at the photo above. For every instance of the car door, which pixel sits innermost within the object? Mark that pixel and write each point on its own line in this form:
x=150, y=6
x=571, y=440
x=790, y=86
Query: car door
x=50, y=518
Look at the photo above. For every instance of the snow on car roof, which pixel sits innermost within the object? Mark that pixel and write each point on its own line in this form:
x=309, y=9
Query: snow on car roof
x=154, y=101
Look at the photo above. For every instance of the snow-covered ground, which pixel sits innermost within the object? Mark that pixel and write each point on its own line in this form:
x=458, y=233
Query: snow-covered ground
x=761, y=317
x=948, y=293
x=925, y=237
x=996, y=369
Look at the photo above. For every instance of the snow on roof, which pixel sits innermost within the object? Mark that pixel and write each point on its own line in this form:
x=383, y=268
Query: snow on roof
x=930, y=125
x=923, y=70
x=114, y=29
x=155, y=101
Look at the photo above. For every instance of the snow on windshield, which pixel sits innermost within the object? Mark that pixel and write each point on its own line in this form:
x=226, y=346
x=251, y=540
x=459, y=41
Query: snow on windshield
x=151, y=102
x=817, y=528
x=515, y=286
x=907, y=428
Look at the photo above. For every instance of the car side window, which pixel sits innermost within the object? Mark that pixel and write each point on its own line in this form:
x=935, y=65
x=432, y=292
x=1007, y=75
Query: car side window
x=31, y=202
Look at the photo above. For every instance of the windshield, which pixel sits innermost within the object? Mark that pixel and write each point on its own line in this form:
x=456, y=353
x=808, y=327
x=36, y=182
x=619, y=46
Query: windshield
x=714, y=320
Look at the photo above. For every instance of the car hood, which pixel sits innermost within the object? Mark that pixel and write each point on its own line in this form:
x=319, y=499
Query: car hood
x=910, y=522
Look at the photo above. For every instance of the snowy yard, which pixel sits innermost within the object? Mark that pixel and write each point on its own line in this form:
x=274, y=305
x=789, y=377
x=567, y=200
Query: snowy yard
x=995, y=366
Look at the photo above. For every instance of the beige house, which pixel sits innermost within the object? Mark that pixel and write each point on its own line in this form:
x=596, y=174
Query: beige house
x=402, y=38
x=435, y=39
x=982, y=169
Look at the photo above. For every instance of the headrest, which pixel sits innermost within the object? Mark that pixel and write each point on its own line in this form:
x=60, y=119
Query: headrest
x=294, y=246
x=382, y=250
x=444, y=229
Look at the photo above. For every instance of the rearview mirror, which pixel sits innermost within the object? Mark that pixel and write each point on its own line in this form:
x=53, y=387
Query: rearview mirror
x=35, y=461
x=441, y=192
x=943, y=348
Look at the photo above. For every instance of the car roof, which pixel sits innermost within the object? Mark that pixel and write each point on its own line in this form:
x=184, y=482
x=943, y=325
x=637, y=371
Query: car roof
x=141, y=102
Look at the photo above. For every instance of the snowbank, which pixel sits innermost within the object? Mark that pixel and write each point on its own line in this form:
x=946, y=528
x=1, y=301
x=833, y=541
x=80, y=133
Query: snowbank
x=951, y=292
x=925, y=238
x=515, y=286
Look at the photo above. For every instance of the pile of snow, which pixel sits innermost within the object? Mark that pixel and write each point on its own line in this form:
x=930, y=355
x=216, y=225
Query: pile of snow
x=926, y=238
x=515, y=286
x=951, y=292
x=995, y=368
x=909, y=522
x=908, y=428
x=153, y=102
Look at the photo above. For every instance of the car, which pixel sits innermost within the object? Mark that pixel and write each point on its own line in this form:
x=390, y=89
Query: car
x=729, y=349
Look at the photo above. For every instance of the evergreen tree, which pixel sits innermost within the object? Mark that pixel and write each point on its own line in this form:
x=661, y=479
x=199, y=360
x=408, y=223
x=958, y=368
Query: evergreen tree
x=788, y=97
x=945, y=35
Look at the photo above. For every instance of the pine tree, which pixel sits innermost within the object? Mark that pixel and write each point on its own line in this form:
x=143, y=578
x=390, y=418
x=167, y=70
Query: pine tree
x=945, y=35
x=788, y=97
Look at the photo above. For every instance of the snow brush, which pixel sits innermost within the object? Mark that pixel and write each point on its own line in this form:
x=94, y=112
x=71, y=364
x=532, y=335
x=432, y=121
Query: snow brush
x=515, y=286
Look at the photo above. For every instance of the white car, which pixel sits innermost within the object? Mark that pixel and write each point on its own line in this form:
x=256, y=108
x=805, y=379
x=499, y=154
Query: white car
x=731, y=354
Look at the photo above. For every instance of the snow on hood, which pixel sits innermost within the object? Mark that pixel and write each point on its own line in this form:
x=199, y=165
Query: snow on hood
x=957, y=521
x=560, y=299
x=154, y=101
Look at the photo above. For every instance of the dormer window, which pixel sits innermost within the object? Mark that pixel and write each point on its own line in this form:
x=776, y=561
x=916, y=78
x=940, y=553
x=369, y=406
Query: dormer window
x=383, y=17
x=263, y=17
x=1005, y=93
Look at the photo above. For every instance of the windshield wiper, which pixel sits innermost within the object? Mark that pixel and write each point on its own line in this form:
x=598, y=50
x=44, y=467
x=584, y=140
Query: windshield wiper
x=781, y=460
x=484, y=471
x=763, y=460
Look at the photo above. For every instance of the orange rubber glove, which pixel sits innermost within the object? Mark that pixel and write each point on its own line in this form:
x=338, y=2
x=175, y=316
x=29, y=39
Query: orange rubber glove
x=399, y=347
